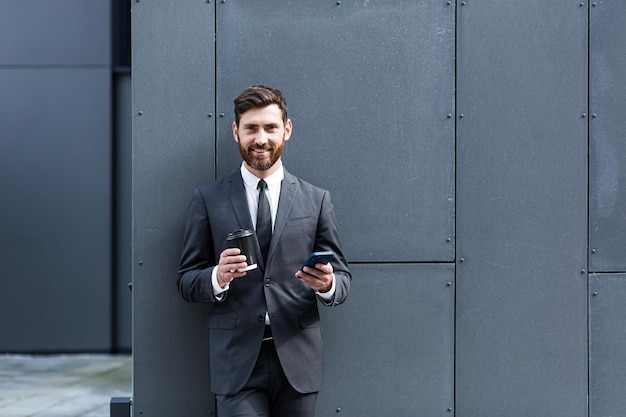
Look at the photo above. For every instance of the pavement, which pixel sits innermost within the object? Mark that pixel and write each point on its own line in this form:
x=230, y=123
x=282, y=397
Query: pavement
x=62, y=385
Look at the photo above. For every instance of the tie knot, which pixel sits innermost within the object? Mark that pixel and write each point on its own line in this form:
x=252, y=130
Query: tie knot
x=262, y=185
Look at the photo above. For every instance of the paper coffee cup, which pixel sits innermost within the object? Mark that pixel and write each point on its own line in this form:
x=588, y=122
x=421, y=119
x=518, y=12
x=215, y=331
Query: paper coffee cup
x=244, y=240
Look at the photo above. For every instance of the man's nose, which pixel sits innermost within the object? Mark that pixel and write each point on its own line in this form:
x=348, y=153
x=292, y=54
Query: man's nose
x=261, y=138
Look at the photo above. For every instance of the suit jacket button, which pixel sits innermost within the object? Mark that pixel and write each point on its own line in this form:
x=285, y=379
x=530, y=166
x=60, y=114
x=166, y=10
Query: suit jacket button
x=261, y=317
x=267, y=282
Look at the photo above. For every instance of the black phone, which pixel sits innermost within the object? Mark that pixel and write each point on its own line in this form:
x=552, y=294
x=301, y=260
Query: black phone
x=318, y=258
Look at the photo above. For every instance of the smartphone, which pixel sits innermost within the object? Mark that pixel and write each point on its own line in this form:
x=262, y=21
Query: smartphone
x=318, y=258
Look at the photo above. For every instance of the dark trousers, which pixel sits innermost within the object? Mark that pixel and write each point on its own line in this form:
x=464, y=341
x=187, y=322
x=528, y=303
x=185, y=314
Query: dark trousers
x=267, y=393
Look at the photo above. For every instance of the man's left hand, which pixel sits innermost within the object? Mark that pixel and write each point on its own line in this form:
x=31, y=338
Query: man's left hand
x=319, y=278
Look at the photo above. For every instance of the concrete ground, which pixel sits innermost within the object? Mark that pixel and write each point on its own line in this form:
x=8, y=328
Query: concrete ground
x=62, y=385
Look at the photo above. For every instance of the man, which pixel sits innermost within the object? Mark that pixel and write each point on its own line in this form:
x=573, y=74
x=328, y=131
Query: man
x=266, y=354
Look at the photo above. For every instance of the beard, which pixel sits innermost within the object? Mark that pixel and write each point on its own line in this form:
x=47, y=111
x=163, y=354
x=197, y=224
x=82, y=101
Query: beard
x=262, y=163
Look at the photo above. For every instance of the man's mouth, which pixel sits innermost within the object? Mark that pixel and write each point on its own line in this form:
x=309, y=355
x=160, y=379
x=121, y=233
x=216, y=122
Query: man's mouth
x=260, y=151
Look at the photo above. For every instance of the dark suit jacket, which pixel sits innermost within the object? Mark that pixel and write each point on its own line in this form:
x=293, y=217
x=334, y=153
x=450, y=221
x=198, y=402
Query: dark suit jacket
x=305, y=222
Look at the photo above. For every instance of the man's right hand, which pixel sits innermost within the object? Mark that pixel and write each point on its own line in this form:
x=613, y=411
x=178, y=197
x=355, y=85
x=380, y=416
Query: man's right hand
x=230, y=260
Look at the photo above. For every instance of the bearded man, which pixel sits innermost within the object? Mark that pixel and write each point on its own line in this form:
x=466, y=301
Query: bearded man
x=266, y=355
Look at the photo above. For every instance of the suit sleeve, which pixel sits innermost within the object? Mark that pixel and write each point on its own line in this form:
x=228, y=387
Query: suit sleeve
x=328, y=239
x=197, y=257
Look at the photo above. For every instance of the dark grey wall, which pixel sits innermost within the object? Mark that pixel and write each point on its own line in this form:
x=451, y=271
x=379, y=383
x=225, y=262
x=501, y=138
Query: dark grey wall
x=490, y=138
x=370, y=86
x=55, y=176
x=173, y=148
x=122, y=212
x=607, y=341
x=607, y=128
x=607, y=197
x=521, y=313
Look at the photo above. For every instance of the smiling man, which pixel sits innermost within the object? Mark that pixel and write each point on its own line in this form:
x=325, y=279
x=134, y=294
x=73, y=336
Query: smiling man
x=266, y=355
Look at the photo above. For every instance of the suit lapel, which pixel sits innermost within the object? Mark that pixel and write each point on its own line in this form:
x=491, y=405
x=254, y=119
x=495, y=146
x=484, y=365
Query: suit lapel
x=285, y=202
x=238, y=200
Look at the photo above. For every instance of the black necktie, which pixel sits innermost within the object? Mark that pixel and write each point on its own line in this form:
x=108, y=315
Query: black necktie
x=264, y=220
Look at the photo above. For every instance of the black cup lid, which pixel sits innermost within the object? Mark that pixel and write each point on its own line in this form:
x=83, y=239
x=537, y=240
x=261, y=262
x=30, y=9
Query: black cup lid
x=238, y=234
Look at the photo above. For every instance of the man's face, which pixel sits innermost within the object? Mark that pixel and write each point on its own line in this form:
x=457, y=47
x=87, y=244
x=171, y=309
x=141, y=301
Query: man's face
x=261, y=135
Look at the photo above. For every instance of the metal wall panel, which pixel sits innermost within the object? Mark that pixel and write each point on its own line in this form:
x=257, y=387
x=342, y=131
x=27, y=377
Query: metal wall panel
x=607, y=165
x=122, y=298
x=60, y=32
x=370, y=86
x=607, y=344
x=55, y=182
x=173, y=151
x=390, y=347
x=521, y=209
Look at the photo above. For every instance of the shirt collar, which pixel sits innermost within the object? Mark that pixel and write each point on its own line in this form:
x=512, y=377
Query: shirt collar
x=251, y=180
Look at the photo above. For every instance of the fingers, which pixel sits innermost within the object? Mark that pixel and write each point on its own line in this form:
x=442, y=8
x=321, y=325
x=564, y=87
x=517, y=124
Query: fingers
x=319, y=270
x=230, y=261
x=318, y=278
x=225, y=275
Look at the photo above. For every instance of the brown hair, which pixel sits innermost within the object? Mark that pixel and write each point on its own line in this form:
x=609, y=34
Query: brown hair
x=258, y=96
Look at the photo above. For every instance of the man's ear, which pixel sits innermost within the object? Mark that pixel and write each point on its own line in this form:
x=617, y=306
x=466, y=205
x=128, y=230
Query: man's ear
x=235, y=132
x=288, y=129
